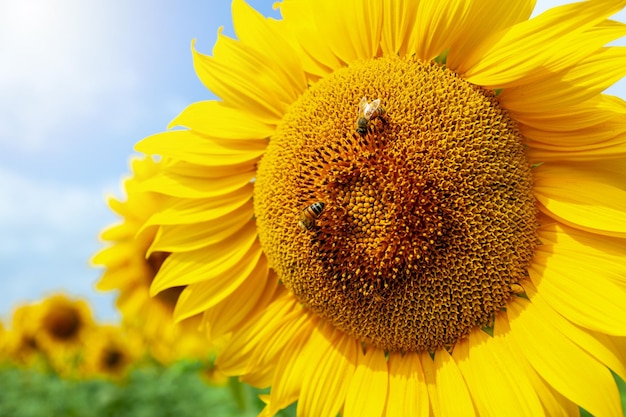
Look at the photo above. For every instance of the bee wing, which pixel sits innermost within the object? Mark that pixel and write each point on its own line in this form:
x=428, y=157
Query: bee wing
x=362, y=106
x=371, y=108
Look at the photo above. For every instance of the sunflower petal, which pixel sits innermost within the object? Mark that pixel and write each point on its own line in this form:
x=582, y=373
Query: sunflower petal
x=408, y=394
x=397, y=28
x=435, y=26
x=290, y=369
x=214, y=119
x=483, y=19
x=325, y=385
x=369, y=386
x=189, y=237
x=449, y=383
x=578, y=285
x=527, y=51
x=173, y=184
x=570, y=87
x=350, y=40
x=244, y=79
x=188, y=146
x=497, y=383
x=603, y=352
x=565, y=366
x=299, y=19
x=197, y=210
x=197, y=297
x=206, y=263
x=265, y=35
x=237, y=354
x=591, y=113
x=583, y=196
x=252, y=296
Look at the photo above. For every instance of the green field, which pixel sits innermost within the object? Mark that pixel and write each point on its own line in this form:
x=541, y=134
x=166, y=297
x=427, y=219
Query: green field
x=150, y=391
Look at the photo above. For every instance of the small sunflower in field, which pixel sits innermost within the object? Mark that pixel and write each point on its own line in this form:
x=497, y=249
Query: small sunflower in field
x=111, y=352
x=52, y=330
x=20, y=344
x=131, y=264
x=406, y=208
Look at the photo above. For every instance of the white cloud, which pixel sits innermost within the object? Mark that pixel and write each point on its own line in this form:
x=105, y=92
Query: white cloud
x=61, y=60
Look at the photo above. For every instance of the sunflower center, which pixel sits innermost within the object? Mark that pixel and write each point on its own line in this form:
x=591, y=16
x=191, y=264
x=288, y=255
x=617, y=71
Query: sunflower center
x=63, y=323
x=405, y=222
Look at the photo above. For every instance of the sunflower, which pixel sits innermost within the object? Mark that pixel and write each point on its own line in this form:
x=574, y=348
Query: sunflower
x=19, y=339
x=130, y=266
x=111, y=352
x=406, y=208
x=52, y=331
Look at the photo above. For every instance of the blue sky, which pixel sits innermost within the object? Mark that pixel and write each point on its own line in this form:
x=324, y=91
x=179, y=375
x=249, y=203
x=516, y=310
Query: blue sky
x=85, y=81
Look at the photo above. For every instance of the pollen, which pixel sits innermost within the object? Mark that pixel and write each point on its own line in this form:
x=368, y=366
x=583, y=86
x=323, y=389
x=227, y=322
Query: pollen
x=429, y=222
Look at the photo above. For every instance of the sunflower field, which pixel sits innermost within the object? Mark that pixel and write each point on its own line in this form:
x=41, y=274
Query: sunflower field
x=393, y=208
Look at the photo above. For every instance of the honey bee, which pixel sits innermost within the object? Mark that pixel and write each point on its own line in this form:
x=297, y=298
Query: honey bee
x=368, y=112
x=309, y=215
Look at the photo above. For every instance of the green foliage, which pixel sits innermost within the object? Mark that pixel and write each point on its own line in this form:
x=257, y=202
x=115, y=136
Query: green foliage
x=151, y=391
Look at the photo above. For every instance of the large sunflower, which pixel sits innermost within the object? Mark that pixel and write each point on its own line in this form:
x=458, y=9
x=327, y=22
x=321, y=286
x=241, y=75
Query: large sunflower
x=406, y=208
x=130, y=266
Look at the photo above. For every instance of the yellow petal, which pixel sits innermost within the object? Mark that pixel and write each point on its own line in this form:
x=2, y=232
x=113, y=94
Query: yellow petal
x=214, y=119
x=118, y=232
x=583, y=196
x=483, y=19
x=300, y=19
x=253, y=295
x=197, y=210
x=291, y=367
x=268, y=36
x=613, y=148
x=190, y=267
x=591, y=113
x=351, y=29
x=114, y=256
x=603, y=352
x=197, y=297
x=609, y=253
x=329, y=373
x=449, y=392
x=244, y=79
x=237, y=354
x=579, y=287
x=170, y=183
x=188, y=146
x=368, y=389
x=188, y=237
x=436, y=26
x=569, y=87
x=548, y=43
x=270, y=347
x=565, y=366
x=397, y=29
x=497, y=382
x=553, y=402
x=408, y=394
x=186, y=169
